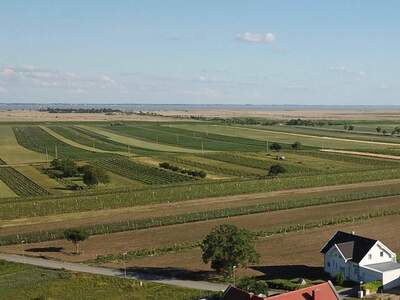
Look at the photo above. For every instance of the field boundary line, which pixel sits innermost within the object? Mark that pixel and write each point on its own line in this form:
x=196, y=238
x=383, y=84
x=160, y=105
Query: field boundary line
x=367, y=154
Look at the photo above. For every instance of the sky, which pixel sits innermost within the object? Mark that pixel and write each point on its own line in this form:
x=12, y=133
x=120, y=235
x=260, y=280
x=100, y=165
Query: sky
x=200, y=52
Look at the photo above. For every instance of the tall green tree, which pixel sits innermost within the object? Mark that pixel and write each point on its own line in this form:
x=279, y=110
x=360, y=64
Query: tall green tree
x=93, y=176
x=228, y=246
x=275, y=147
x=296, y=146
x=76, y=236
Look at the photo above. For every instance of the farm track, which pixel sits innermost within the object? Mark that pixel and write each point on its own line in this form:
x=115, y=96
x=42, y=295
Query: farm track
x=25, y=225
x=189, y=232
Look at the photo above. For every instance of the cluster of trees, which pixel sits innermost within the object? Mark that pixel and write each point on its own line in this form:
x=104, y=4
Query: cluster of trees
x=304, y=122
x=348, y=127
x=395, y=131
x=81, y=110
x=66, y=167
x=277, y=147
x=193, y=173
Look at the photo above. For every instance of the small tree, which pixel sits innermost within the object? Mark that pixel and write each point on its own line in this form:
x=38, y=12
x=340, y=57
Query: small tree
x=275, y=147
x=275, y=170
x=76, y=236
x=67, y=166
x=351, y=127
x=93, y=176
x=227, y=246
x=296, y=146
x=378, y=129
x=384, y=131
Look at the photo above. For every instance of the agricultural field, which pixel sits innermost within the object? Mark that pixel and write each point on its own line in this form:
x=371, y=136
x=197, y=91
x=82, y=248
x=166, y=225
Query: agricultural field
x=27, y=282
x=156, y=208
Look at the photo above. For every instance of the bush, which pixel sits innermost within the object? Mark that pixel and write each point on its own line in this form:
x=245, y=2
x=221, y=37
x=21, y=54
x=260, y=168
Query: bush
x=373, y=286
x=275, y=147
x=93, y=176
x=253, y=285
x=282, y=284
x=339, y=278
x=192, y=173
x=275, y=170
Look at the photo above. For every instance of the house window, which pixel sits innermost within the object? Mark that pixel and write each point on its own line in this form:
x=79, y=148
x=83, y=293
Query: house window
x=329, y=264
x=369, y=256
x=381, y=253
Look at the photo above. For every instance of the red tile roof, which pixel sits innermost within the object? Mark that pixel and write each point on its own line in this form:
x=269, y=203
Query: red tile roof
x=323, y=291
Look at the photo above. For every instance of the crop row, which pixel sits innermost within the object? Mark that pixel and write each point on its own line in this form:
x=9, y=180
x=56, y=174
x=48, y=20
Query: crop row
x=189, y=139
x=129, y=198
x=20, y=184
x=263, y=164
x=36, y=139
x=141, y=172
x=146, y=223
x=184, y=246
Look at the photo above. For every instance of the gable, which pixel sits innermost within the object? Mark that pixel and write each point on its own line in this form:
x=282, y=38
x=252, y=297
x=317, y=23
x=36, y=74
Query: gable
x=354, y=247
x=377, y=254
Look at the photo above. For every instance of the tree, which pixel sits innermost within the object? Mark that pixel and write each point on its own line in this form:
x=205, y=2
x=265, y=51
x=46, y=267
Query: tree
x=93, y=176
x=296, y=146
x=378, y=129
x=67, y=166
x=350, y=128
x=76, y=236
x=275, y=147
x=275, y=170
x=384, y=132
x=345, y=126
x=227, y=246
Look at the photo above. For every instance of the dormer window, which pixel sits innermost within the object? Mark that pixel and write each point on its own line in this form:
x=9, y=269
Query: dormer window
x=381, y=253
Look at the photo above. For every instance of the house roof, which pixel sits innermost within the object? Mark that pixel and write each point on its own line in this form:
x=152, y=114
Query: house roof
x=352, y=246
x=323, y=291
x=384, y=267
x=234, y=293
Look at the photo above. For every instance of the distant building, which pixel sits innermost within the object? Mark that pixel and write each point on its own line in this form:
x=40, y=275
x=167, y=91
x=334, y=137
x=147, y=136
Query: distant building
x=361, y=259
x=323, y=291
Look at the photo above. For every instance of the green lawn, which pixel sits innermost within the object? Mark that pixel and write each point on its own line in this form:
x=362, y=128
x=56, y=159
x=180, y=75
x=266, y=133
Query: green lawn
x=19, y=281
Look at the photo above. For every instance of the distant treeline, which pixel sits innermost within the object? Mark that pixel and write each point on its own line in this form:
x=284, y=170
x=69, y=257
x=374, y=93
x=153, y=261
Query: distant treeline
x=81, y=110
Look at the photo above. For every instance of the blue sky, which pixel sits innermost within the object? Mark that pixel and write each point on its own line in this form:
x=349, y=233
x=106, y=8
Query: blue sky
x=237, y=52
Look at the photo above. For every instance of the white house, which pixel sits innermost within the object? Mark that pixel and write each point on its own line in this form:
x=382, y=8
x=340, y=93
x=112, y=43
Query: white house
x=361, y=259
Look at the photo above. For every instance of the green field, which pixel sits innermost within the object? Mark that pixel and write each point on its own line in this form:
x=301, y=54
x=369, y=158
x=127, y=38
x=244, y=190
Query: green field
x=21, y=282
x=151, y=211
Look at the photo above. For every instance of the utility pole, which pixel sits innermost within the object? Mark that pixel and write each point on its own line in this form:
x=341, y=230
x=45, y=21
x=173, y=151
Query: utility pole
x=202, y=147
x=266, y=146
x=177, y=138
x=56, y=151
x=47, y=155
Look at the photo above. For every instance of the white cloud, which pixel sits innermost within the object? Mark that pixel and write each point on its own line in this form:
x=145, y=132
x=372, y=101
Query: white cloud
x=35, y=77
x=347, y=70
x=260, y=38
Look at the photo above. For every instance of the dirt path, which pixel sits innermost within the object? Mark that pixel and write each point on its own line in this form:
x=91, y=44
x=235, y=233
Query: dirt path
x=24, y=225
x=369, y=154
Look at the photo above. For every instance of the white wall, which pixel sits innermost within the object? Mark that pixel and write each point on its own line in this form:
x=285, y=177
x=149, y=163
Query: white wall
x=334, y=262
x=391, y=279
x=374, y=255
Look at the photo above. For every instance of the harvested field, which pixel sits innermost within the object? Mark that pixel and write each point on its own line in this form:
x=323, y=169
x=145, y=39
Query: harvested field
x=156, y=237
x=278, y=258
x=25, y=225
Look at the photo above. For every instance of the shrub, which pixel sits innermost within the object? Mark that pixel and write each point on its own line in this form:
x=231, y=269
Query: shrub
x=275, y=147
x=373, y=286
x=67, y=166
x=339, y=278
x=93, y=176
x=253, y=285
x=282, y=284
x=275, y=170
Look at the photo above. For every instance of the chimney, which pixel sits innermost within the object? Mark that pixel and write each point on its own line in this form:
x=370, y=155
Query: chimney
x=315, y=295
x=353, y=232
